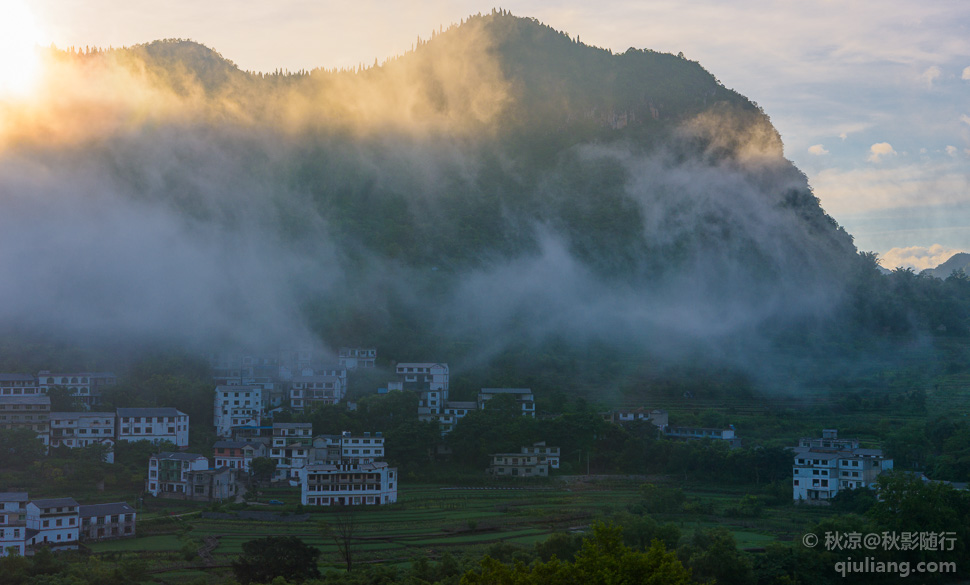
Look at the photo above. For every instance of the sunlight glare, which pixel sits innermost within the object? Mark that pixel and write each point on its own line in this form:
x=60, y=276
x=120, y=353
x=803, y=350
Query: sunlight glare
x=19, y=58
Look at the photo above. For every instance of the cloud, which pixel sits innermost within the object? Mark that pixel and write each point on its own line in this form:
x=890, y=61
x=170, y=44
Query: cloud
x=817, y=150
x=930, y=75
x=965, y=119
x=952, y=150
x=879, y=150
x=966, y=73
x=865, y=190
x=917, y=257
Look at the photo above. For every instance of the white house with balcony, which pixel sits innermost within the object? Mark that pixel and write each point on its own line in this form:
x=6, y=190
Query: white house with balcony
x=291, y=449
x=168, y=473
x=80, y=429
x=347, y=472
x=236, y=406
x=153, y=424
x=353, y=358
x=86, y=387
x=18, y=385
x=308, y=392
x=824, y=466
x=107, y=521
x=13, y=523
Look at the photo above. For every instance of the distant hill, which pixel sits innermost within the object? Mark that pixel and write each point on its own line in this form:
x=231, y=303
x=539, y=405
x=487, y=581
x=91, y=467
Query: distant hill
x=959, y=262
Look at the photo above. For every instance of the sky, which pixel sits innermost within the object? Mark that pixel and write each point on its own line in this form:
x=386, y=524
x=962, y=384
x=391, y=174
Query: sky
x=870, y=97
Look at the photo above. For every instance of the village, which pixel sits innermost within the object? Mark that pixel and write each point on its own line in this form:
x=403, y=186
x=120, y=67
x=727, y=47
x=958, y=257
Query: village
x=336, y=469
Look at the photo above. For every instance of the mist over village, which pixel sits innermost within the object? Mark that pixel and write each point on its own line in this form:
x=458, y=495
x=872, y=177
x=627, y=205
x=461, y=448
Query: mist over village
x=506, y=305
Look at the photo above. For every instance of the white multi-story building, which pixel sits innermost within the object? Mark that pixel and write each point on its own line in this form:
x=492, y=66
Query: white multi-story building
x=348, y=473
x=168, y=473
x=107, y=521
x=534, y=461
x=291, y=447
x=423, y=376
x=30, y=411
x=80, y=429
x=18, y=385
x=308, y=392
x=236, y=406
x=13, y=522
x=366, y=447
x=153, y=424
x=824, y=466
x=353, y=358
x=523, y=397
x=85, y=386
x=346, y=483
x=53, y=523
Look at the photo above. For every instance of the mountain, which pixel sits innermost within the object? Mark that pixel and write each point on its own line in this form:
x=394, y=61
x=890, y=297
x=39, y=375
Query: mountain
x=959, y=262
x=502, y=197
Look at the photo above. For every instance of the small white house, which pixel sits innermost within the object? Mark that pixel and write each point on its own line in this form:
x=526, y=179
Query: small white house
x=54, y=523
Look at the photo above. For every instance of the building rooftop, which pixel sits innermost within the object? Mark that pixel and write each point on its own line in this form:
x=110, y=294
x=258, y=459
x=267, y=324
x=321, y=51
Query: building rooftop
x=29, y=399
x=105, y=509
x=55, y=503
x=234, y=444
x=506, y=391
x=13, y=497
x=17, y=378
x=172, y=456
x=152, y=412
x=78, y=415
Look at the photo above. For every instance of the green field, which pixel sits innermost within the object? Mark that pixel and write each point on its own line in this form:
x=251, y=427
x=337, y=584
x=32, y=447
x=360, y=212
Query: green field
x=431, y=520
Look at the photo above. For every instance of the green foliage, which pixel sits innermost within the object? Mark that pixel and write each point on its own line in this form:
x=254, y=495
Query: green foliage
x=713, y=555
x=262, y=470
x=265, y=559
x=19, y=447
x=603, y=559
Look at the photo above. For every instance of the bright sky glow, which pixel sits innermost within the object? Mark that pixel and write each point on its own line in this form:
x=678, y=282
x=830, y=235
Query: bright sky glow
x=19, y=38
x=871, y=97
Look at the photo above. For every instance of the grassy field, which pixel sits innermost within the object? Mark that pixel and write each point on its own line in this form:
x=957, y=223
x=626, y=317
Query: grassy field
x=431, y=520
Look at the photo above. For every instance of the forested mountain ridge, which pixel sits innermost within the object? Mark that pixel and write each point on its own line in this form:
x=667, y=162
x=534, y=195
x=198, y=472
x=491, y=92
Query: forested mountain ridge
x=501, y=195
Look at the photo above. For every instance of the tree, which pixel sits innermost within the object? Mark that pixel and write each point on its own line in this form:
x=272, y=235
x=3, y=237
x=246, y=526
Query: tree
x=19, y=447
x=63, y=401
x=262, y=470
x=265, y=559
x=342, y=528
x=603, y=559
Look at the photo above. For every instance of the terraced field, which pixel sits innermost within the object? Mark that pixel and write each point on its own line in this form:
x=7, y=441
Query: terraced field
x=431, y=520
